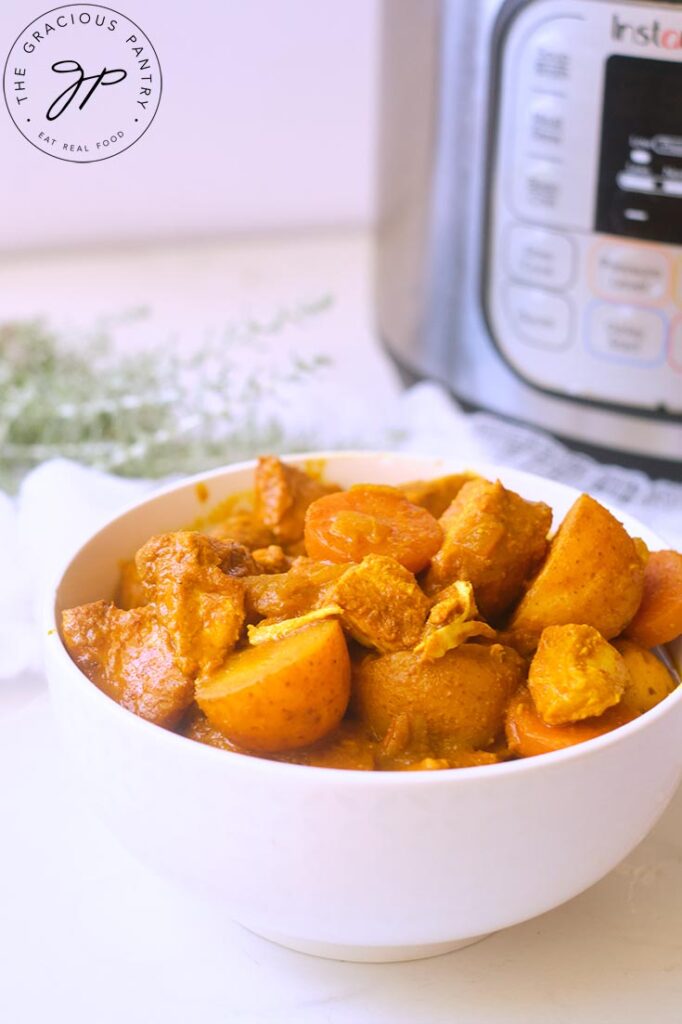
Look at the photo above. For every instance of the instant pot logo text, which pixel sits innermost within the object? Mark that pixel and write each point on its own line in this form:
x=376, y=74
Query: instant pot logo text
x=651, y=34
x=82, y=83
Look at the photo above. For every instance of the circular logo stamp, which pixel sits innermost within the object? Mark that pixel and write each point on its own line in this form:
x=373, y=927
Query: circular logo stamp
x=82, y=82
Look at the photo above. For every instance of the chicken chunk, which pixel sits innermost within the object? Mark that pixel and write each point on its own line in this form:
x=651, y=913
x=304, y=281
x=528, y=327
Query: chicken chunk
x=236, y=559
x=575, y=674
x=131, y=591
x=129, y=655
x=436, y=495
x=283, y=494
x=200, y=604
x=290, y=594
x=271, y=559
x=493, y=538
x=245, y=528
x=382, y=604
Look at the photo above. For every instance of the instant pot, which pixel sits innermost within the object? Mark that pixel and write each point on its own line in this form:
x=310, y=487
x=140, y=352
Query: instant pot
x=530, y=237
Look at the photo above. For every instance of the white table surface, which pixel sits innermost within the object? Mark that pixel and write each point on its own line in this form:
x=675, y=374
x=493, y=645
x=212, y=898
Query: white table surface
x=89, y=936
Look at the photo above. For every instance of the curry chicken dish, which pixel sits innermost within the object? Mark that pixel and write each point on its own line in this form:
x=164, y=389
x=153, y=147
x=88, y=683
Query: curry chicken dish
x=431, y=625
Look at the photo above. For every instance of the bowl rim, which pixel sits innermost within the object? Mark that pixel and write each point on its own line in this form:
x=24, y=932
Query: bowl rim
x=55, y=649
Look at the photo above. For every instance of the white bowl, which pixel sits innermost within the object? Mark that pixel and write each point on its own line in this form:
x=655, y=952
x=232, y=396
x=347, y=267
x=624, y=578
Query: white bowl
x=349, y=864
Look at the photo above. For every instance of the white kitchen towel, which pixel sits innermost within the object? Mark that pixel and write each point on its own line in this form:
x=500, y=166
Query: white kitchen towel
x=61, y=502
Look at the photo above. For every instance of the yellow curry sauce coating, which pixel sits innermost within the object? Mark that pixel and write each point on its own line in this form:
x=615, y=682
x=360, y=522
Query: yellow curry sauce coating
x=649, y=681
x=593, y=575
x=461, y=696
x=129, y=655
x=241, y=640
x=575, y=674
x=495, y=539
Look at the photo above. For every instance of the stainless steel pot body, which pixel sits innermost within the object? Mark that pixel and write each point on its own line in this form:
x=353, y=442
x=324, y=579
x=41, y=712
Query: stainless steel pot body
x=530, y=235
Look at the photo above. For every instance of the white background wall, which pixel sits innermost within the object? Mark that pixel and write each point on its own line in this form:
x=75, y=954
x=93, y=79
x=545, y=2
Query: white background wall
x=267, y=120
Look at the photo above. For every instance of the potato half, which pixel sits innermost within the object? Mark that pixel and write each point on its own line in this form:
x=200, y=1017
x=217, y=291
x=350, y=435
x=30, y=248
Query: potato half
x=593, y=576
x=649, y=681
x=461, y=696
x=283, y=694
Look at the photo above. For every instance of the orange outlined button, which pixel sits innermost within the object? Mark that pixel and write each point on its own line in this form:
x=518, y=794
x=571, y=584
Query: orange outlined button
x=631, y=273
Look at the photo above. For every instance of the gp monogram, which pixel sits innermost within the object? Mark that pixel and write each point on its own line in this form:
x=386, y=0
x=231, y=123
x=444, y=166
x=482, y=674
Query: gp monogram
x=82, y=83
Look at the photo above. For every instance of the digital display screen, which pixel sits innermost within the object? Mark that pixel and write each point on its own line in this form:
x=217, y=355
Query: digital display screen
x=640, y=170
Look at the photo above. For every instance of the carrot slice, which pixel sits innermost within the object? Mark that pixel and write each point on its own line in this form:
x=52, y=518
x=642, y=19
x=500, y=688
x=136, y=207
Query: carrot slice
x=528, y=735
x=371, y=520
x=658, y=619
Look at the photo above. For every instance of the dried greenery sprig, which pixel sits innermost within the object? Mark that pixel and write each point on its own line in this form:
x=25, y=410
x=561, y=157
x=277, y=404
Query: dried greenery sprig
x=148, y=413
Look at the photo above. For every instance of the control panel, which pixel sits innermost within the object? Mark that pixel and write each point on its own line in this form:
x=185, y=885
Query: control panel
x=584, y=256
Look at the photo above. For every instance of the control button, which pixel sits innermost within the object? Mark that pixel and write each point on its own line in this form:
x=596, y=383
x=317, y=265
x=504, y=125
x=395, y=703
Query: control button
x=547, y=122
x=549, y=89
x=549, y=53
x=626, y=334
x=539, y=186
x=675, y=353
x=552, y=64
x=554, y=50
x=631, y=273
x=539, y=257
x=538, y=317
